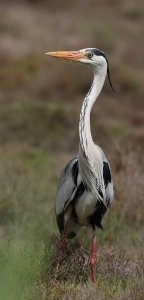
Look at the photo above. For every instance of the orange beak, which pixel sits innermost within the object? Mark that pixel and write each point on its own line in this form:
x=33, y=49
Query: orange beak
x=70, y=55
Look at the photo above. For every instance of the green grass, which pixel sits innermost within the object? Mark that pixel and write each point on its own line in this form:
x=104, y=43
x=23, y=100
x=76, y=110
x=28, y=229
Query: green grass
x=30, y=243
x=21, y=265
x=25, y=220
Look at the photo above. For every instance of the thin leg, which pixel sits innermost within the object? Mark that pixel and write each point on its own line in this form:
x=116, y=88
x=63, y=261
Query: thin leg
x=62, y=248
x=63, y=241
x=93, y=258
x=84, y=235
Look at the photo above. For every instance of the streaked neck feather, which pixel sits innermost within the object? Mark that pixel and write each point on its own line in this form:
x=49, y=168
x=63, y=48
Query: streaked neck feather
x=90, y=158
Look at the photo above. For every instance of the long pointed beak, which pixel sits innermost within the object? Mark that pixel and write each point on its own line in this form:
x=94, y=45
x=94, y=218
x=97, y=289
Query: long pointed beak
x=70, y=55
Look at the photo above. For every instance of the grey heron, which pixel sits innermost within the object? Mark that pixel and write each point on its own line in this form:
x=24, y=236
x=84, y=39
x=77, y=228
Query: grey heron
x=85, y=188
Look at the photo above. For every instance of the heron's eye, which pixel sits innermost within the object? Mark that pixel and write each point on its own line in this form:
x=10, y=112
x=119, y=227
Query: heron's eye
x=90, y=55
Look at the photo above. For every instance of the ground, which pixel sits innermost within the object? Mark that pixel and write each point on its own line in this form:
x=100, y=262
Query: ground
x=40, y=101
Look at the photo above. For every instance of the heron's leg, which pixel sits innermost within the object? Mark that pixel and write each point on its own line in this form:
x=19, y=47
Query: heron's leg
x=84, y=235
x=93, y=258
x=63, y=240
x=62, y=249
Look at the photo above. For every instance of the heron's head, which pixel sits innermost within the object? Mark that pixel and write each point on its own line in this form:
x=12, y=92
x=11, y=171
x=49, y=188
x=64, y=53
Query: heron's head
x=93, y=57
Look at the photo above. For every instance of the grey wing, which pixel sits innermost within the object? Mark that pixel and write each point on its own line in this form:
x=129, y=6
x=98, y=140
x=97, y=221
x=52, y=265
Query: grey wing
x=66, y=189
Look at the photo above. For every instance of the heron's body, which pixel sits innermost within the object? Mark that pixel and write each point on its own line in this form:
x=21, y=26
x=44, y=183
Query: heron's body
x=85, y=189
x=81, y=208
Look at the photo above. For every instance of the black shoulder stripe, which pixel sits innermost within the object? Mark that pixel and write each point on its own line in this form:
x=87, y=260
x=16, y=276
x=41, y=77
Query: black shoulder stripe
x=106, y=173
x=75, y=172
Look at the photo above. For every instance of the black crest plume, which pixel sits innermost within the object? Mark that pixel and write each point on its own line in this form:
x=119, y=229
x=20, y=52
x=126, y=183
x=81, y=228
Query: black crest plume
x=101, y=53
x=108, y=74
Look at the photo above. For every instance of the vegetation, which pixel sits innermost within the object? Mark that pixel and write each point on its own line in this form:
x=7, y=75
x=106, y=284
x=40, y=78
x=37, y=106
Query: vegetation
x=40, y=101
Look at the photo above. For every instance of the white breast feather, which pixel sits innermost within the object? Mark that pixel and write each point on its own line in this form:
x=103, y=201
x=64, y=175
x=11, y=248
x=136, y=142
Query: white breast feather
x=91, y=170
x=85, y=207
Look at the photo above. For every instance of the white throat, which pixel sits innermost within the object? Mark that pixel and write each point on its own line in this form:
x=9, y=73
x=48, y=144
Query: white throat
x=85, y=136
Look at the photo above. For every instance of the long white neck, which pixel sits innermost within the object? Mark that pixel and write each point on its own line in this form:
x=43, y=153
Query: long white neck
x=86, y=141
x=90, y=156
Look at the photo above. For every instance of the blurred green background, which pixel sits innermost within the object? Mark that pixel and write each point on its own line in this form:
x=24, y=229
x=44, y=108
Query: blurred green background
x=40, y=101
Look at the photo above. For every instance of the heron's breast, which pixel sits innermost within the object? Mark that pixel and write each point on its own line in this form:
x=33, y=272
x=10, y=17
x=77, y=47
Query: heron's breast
x=85, y=207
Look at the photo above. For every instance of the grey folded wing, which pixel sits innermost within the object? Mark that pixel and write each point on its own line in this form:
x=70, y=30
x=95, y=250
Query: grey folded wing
x=66, y=189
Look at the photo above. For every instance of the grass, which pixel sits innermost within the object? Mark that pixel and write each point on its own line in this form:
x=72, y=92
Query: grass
x=28, y=269
x=40, y=103
x=30, y=244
